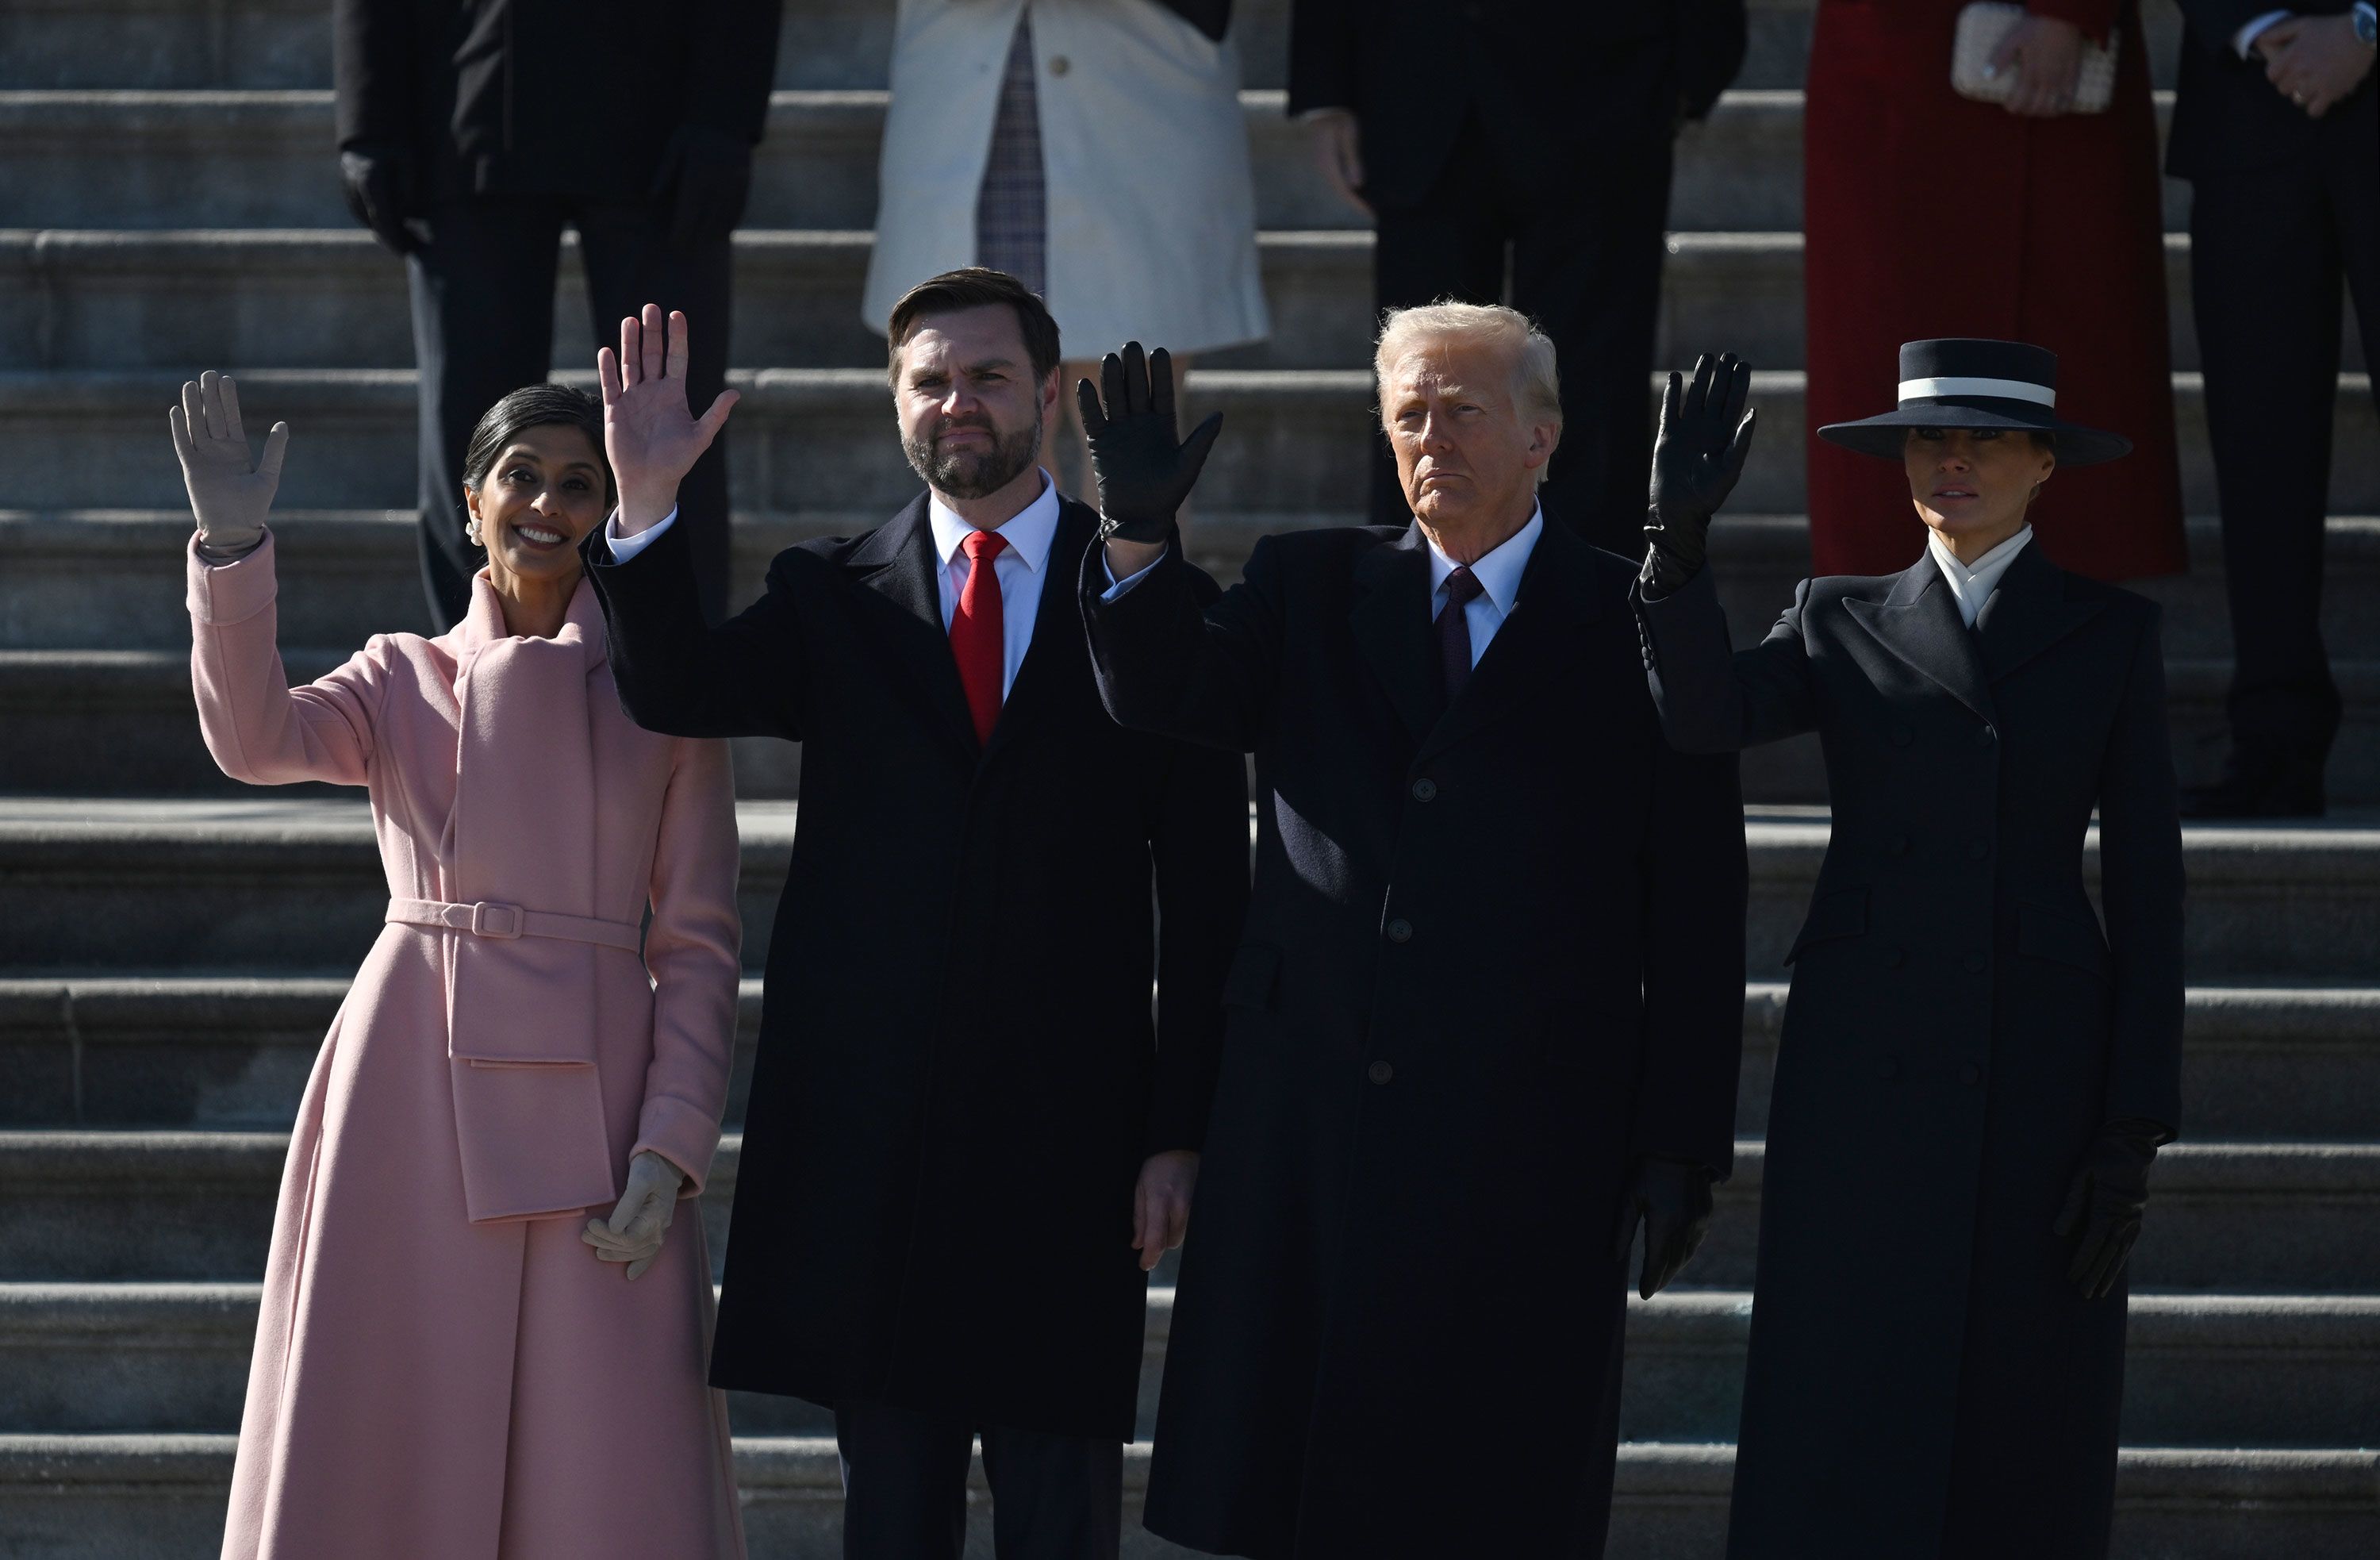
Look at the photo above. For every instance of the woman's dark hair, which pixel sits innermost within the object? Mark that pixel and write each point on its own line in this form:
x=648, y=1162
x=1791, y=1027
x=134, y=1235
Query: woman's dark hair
x=534, y=406
x=975, y=287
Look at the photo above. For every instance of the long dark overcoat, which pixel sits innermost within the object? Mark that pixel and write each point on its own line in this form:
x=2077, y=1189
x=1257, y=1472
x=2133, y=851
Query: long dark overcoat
x=1492, y=956
x=1922, y=1378
x=957, y=1078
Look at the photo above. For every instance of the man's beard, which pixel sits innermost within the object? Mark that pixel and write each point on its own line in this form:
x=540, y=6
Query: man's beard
x=974, y=473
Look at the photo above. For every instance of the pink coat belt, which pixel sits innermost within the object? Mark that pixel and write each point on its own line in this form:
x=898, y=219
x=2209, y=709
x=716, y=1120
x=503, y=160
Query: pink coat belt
x=491, y=917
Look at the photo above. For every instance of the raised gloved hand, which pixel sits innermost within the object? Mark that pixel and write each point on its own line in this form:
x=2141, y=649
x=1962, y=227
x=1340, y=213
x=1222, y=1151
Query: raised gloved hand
x=1674, y=1198
x=1698, y=457
x=707, y=176
x=1142, y=474
x=2104, y=1203
x=379, y=181
x=636, y=1227
x=230, y=495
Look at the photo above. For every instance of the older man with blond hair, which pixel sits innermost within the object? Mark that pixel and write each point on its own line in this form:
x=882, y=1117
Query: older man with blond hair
x=1486, y=1016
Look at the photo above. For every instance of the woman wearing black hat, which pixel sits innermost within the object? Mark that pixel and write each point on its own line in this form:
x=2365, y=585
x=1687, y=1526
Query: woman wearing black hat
x=1972, y=1078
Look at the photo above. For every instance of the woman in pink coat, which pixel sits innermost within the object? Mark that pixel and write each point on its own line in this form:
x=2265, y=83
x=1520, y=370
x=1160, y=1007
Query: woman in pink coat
x=453, y=1358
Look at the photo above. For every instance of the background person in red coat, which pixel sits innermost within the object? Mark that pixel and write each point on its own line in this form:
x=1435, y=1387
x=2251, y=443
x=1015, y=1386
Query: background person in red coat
x=1928, y=215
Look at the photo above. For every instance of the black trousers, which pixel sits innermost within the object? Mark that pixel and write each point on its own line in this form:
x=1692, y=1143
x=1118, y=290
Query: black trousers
x=2269, y=248
x=483, y=326
x=905, y=1487
x=1584, y=261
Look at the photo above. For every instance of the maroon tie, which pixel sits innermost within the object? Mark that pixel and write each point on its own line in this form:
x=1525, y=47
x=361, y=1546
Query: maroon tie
x=978, y=641
x=1454, y=630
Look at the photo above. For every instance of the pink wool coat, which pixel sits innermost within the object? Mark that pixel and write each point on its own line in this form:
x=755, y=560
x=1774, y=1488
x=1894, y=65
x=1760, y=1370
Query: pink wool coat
x=441, y=1366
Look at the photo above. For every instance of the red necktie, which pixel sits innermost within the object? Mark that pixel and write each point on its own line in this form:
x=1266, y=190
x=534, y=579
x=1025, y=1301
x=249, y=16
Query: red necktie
x=978, y=641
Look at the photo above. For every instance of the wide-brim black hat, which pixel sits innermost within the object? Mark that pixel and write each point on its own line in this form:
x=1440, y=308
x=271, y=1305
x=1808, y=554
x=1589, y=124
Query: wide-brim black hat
x=1960, y=382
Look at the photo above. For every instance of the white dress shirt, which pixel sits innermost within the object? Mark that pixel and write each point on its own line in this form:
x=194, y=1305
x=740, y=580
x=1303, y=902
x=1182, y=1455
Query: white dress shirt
x=1972, y=584
x=2245, y=39
x=1021, y=567
x=1498, y=572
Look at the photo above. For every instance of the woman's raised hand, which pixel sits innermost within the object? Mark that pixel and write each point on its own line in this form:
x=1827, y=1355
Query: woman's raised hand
x=2048, y=54
x=230, y=494
x=652, y=436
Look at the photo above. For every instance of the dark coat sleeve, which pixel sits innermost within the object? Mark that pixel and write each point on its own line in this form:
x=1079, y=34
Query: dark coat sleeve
x=2141, y=888
x=1696, y=876
x=680, y=676
x=2217, y=22
x=1323, y=56
x=1164, y=665
x=1712, y=698
x=731, y=65
x=1198, y=845
x=374, y=67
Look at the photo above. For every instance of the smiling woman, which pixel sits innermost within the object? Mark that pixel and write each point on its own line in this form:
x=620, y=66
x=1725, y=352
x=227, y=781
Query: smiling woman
x=534, y=483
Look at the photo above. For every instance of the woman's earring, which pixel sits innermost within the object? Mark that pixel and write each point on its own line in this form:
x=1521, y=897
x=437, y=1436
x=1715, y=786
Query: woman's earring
x=471, y=530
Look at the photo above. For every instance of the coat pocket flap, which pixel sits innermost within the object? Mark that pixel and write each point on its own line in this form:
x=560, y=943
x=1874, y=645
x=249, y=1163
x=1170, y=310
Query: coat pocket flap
x=2054, y=934
x=1255, y=968
x=1843, y=913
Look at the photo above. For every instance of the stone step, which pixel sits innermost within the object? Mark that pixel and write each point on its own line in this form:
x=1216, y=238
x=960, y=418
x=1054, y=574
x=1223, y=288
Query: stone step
x=205, y=1051
x=163, y=1497
x=1295, y=441
x=187, y=44
x=117, y=159
x=2228, y=1217
x=294, y=887
x=2201, y=1370
x=330, y=297
x=120, y=723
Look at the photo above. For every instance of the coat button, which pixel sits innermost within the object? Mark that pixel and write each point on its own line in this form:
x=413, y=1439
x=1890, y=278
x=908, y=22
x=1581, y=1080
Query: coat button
x=1902, y=737
x=1898, y=845
x=1425, y=789
x=1895, y=958
x=1986, y=736
x=1971, y=1075
x=1400, y=931
x=1888, y=1068
x=1382, y=1072
x=1060, y=65
x=1980, y=850
x=1974, y=964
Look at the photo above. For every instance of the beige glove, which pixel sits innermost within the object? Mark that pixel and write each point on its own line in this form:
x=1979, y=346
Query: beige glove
x=229, y=495
x=633, y=1234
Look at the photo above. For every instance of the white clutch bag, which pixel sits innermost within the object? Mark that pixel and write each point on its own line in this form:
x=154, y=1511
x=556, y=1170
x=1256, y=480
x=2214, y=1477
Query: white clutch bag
x=1982, y=28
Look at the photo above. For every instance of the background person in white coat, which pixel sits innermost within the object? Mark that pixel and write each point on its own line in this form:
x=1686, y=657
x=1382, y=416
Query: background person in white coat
x=1093, y=149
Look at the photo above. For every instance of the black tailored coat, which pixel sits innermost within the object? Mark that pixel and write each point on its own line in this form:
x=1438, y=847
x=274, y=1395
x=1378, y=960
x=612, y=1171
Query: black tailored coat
x=1557, y=84
x=1923, y=1378
x=576, y=99
x=1491, y=956
x=957, y=1078
x=2227, y=117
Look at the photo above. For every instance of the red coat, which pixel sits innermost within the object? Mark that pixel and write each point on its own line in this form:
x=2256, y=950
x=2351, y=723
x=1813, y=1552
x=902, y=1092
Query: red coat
x=1932, y=215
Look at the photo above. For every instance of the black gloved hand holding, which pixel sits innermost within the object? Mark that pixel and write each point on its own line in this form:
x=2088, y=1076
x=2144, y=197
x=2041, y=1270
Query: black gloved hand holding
x=1674, y=1198
x=2104, y=1204
x=379, y=185
x=706, y=176
x=1142, y=474
x=1698, y=457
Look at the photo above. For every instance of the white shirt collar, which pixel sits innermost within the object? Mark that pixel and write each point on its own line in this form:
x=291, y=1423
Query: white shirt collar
x=1972, y=584
x=1499, y=569
x=1029, y=532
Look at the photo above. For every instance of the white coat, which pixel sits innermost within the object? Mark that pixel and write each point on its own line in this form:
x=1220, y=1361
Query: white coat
x=1151, y=209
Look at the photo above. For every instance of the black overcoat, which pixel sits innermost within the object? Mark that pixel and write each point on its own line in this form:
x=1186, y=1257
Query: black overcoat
x=957, y=1075
x=574, y=99
x=1922, y=1378
x=1490, y=957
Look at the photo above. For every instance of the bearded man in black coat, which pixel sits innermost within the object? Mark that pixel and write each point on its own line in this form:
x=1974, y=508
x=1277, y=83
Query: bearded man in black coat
x=1488, y=1009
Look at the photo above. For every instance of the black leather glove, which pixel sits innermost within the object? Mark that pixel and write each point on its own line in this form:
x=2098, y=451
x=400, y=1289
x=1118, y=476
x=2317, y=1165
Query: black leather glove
x=379, y=183
x=1674, y=1198
x=2104, y=1204
x=1142, y=474
x=706, y=176
x=1698, y=457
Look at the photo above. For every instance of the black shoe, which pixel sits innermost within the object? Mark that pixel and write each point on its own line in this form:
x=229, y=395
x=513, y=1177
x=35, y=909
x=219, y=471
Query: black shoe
x=2259, y=782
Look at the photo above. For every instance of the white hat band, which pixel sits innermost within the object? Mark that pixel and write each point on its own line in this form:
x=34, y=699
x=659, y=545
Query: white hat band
x=2001, y=389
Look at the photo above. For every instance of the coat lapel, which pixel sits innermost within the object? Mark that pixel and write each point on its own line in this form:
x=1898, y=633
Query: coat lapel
x=2027, y=613
x=898, y=563
x=1919, y=622
x=1057, y=629
x=1553, y=599
x=1391, y=622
